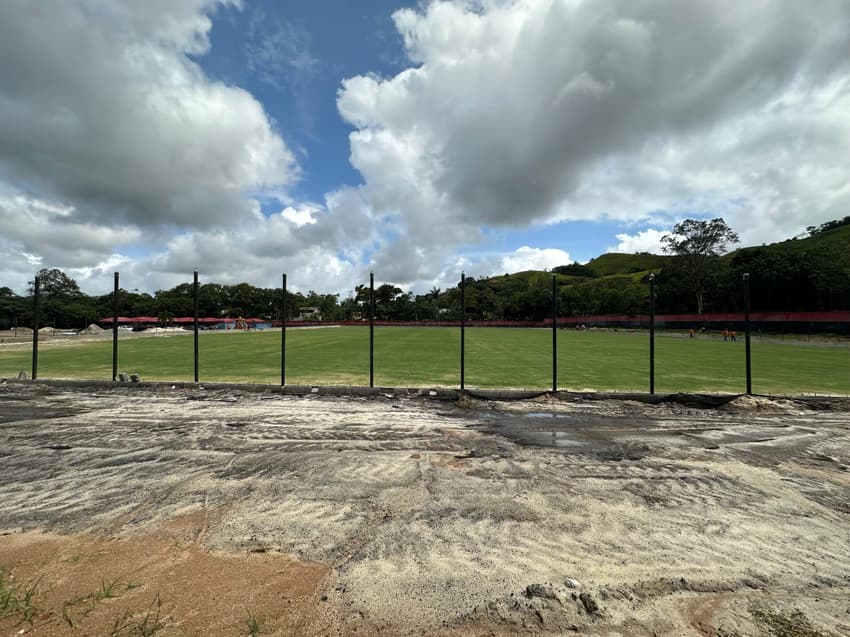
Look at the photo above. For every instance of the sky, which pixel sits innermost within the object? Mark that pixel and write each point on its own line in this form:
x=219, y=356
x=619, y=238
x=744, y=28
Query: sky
x=330, y=138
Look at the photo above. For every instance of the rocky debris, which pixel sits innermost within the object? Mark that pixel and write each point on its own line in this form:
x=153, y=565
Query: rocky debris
x=762, y=404
x=648, y=589
x=589, y=603
x=548, y=397
x=570, y=607
x=540, y=606
x=128, y=378
x=22, y=375
x=464, y=401
x=546, y=591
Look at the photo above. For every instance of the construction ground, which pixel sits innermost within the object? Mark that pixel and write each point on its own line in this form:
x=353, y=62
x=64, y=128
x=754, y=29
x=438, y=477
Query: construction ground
x=173, y=510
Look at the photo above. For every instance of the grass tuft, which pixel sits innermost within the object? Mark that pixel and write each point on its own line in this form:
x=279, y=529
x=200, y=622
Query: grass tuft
x=254, y=626
x=71, y=612
x=144, y=625
x=17, y=599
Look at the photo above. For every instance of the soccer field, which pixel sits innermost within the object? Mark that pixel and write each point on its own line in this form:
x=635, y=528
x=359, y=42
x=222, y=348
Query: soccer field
x=411, y=356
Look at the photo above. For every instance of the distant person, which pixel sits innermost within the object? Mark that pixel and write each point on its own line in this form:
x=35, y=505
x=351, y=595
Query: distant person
x=725, y=335
x=691, y=333
x=732, y=335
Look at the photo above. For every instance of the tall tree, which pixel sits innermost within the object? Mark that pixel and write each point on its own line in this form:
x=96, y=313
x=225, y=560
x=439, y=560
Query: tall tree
x=63, y=304
x=10, y=307
x=699, y=243
x=54, y=282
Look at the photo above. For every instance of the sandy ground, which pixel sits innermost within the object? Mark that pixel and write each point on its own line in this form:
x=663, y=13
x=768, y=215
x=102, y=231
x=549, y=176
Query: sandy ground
x=201, y=512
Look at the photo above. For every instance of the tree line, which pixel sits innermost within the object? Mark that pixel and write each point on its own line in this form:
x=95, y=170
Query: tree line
x=811, y=273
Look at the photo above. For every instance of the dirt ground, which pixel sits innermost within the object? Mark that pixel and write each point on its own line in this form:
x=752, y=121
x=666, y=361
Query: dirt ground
x=133, y=510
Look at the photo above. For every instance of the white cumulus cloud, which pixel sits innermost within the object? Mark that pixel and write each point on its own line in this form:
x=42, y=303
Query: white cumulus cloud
x=117, y=149
x=528, y=258
x=522, y=112
x=644, y=241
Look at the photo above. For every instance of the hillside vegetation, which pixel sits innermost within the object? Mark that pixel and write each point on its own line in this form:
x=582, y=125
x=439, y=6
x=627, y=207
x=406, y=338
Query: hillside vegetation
x=621, y=263
x=811, y=273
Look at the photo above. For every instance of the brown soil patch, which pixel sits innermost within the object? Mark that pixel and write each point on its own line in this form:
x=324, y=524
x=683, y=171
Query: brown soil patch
x=87, y=585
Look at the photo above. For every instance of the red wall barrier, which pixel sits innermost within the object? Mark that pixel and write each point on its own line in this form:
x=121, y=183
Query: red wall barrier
x=756, y=317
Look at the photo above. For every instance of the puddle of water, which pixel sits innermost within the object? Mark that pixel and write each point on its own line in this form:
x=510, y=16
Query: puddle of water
x=557, y=429
x=549, y=429
x=548, y=438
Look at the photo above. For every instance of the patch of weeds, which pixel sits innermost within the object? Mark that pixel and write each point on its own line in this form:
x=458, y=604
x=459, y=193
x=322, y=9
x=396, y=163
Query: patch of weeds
x=17, y=599
x=8, y=595
x=107, y=590
x=85, y=557
x=778, y=624
x=146, y=625
x=253, y=625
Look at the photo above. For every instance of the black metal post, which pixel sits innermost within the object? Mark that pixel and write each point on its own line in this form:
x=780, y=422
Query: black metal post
x=195, y=303
x=651, y=333
x=747, y=332
x=554, y=333
x=462, y=329
x=36, y=312
x=283, y=335
x=115, y=329
x=371, y=329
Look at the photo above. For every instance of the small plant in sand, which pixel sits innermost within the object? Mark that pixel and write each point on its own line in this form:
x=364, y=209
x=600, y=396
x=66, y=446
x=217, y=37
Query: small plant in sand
x=17, y=599
x=82, y=605
x=253, y=625
x=146, y=625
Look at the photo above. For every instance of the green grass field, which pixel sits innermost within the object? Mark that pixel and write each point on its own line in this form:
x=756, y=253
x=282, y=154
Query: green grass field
x=407, y=356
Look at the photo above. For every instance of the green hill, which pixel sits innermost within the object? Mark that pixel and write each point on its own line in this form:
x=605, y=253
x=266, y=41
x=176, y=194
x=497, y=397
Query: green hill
x=622, y=263
x=836, y=240
x=811, y=273
x=531, y=278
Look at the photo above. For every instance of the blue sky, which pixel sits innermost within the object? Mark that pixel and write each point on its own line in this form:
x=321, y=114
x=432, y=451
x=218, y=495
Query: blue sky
x=326, y=41
x=329, y=138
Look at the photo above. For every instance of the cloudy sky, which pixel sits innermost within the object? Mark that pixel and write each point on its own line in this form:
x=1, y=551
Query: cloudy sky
x=325, y=138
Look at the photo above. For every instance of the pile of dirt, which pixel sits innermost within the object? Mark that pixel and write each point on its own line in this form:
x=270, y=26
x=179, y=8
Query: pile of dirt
x=763, y=404
x=92, y=329
x=19, y=330
x=47, y=330
x=540, y=607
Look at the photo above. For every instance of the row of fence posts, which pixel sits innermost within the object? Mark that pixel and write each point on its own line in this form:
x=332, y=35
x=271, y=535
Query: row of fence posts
x=36, y=291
